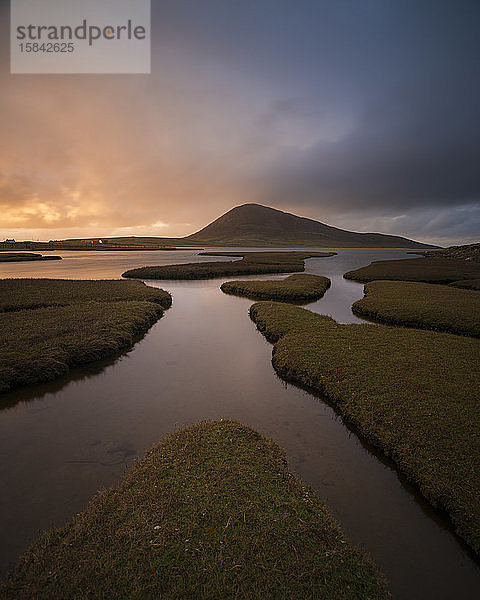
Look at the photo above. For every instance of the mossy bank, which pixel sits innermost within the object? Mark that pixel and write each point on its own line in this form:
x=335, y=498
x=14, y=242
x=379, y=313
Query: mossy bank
x=423, y=305
x=428, y=270
x=412, y=393
x=25, y=257
x=50, y=326
x=211, y=512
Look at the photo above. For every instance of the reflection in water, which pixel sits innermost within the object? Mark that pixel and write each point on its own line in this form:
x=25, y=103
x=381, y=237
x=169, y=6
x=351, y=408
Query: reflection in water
x=203, y=360
x=77, y=374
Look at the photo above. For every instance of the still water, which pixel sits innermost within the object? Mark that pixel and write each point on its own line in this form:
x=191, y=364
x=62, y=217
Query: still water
x=62, y=442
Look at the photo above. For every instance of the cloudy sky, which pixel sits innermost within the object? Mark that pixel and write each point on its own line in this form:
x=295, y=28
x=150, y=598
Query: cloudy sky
x=363, y=114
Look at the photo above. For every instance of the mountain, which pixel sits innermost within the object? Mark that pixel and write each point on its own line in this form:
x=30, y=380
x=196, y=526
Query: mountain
x=256, y=225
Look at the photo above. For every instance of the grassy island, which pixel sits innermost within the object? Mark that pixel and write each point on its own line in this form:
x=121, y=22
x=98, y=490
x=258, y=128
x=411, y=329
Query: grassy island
x=428, y=270
x=295, y=288
x=250, y=263
x=50, y=326
x=211, y=512
x=412, y=393
x=25, y=257
x=424, y=305
x=20, y=294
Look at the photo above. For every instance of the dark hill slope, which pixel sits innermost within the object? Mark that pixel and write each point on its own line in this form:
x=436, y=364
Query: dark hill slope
x=256, y=225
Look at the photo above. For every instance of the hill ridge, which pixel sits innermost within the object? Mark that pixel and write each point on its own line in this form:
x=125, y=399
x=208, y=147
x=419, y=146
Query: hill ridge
x=255, y=224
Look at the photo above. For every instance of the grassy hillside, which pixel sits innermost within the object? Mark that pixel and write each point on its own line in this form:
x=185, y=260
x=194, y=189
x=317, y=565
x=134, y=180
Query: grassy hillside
x=256, y=225
x=211, y=512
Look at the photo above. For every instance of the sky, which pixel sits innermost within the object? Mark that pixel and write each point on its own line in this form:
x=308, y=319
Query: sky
x=362, y=114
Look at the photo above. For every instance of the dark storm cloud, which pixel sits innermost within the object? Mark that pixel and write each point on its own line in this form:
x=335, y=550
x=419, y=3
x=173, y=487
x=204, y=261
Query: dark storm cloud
x=362, y=113
x=398, y=81
x=401, y=154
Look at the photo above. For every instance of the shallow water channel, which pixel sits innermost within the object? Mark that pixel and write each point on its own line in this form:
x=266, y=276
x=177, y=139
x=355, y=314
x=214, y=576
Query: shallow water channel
x=61, y=442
